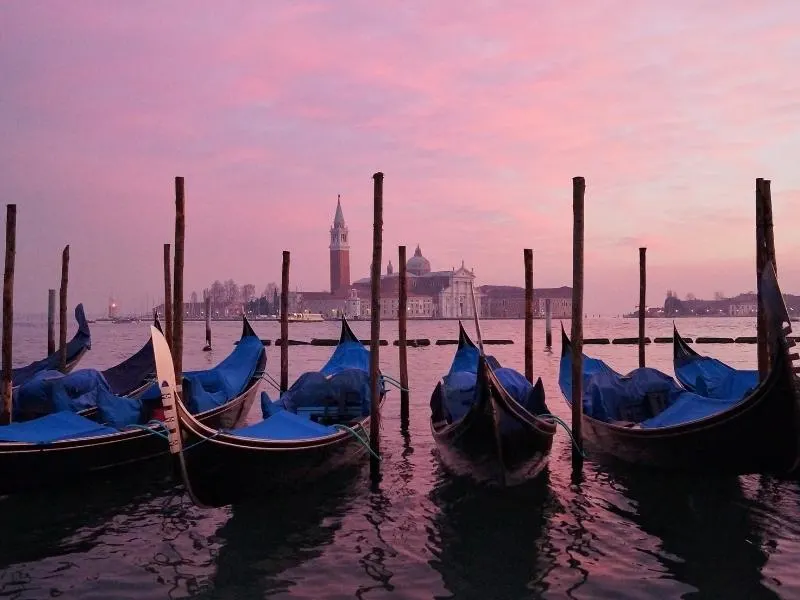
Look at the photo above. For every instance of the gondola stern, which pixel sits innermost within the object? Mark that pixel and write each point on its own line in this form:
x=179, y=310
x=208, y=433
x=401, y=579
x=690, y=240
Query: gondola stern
x=347, y=334
x=83, y=324
x=464, y=341
x=247, y=328
x=566, y=344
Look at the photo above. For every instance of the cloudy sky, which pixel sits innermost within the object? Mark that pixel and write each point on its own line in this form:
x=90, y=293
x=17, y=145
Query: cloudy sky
x=479, y=113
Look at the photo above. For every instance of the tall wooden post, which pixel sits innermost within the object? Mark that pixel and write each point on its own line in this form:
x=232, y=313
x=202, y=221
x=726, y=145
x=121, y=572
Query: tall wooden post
x=62, y=313
x=578, y=191
x=769, y=250
x=285, y=322
x=528, y=259
x=402, y=315
x=208, y=321
x=769, y=234
x=168, y=295
x=375, y=330
x=761, y=260
x=548, y=323
x=51, y=322
x=177, y=289
x=8, y=310
x=642, y=302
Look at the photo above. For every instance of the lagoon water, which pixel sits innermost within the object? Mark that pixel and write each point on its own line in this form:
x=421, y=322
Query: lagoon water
x=616, y=533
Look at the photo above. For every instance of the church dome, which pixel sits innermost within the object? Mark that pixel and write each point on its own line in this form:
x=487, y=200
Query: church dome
x=418, y=264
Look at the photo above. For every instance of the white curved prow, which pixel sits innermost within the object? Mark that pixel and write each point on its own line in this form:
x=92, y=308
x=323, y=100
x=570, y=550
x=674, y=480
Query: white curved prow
x=165, y=373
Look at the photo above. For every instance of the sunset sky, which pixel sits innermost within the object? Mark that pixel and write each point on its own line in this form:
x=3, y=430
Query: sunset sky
x=479, y=113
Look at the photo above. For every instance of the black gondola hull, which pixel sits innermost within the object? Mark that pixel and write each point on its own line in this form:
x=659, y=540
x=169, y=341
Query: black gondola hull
x=497, y=443
x=223, y=474
x=66, y=462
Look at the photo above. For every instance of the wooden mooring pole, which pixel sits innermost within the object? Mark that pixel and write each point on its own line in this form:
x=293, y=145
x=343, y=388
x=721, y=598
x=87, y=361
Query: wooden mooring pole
x=168, y=295
x=548, y=323
x=285, y=322
x=527, y=254
x=761, y=260
x=642, y=303
x=62, y=309
x=375, y=330
x=177, y=289
x=8, y=310
x=578, y=192
x=402, y=315
x=51, y=322
x=207, y=347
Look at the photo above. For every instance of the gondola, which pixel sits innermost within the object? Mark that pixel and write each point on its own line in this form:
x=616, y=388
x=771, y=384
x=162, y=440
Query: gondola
x=488, y=421
x=64, y=447
x=50, y=391
x=80, y=343
x=317, y=427
x=708, y=376
x=646, y=418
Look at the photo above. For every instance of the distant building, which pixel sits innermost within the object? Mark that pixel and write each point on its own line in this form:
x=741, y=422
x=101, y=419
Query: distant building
x=508, y=301
x=448, y=293
x=340, y=254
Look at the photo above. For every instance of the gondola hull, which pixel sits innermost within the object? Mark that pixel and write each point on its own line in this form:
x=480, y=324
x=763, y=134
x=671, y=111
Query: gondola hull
x=222, y=473
x=497, y=443
x=30, y=466
x=760, y=437
x=759, y=433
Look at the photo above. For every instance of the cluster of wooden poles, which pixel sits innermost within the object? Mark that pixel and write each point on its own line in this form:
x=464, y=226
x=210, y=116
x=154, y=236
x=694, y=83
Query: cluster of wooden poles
x=173, y=306
x=8, y=314
x=765, y=251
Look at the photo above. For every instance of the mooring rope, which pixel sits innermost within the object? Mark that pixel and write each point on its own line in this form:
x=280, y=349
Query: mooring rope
x=567, y=429
x=394, y=382
x=364, y=443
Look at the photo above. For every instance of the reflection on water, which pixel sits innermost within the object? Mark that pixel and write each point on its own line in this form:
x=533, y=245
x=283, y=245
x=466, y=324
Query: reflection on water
x=613, y=532
x=490, y=544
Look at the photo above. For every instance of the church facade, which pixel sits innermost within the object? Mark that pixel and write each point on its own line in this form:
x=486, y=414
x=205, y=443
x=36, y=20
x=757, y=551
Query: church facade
x=431, y=294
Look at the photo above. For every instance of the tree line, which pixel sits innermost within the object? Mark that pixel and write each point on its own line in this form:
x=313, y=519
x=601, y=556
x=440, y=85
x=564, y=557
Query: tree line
x=228, y=293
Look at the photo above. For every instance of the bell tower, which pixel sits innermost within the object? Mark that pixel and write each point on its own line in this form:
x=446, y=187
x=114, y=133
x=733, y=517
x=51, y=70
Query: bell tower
x=340, y=253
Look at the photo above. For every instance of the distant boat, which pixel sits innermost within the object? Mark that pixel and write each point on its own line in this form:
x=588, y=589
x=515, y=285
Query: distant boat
x=305, y=317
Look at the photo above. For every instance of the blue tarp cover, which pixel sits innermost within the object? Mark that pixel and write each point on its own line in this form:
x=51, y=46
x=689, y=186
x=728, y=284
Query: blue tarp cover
x=51, y=391
x=80, y=341
x=348, y=387
x=205, y=390
x=53, y=427
x=645, y=396
x=459, y=385
x=343, y=381
x=284, y=425
x=710, y=377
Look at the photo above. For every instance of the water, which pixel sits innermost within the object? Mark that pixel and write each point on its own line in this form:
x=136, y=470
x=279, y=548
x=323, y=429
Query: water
x=616, y=533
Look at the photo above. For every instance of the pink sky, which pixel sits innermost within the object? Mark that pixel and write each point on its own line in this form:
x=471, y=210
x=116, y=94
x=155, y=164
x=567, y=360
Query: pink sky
x=478, y=113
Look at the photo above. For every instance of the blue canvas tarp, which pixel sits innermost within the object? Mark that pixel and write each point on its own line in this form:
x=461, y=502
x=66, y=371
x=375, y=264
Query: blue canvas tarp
x=206, y=390
x=346, y=390
x=713, y=378
x=644, y=396
x=62, y=425
x=459, y=388
x=284, y=425
x=82, y=340
x=51, y=391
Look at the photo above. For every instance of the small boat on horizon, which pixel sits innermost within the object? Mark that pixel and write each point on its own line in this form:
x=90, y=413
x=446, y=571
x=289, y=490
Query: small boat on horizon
x=305, y=317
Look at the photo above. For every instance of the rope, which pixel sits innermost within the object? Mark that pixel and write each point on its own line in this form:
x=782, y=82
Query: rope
x=151, y=427
x=394, y=382
x=364, y=443
x=270, y=380
x=568, y=430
